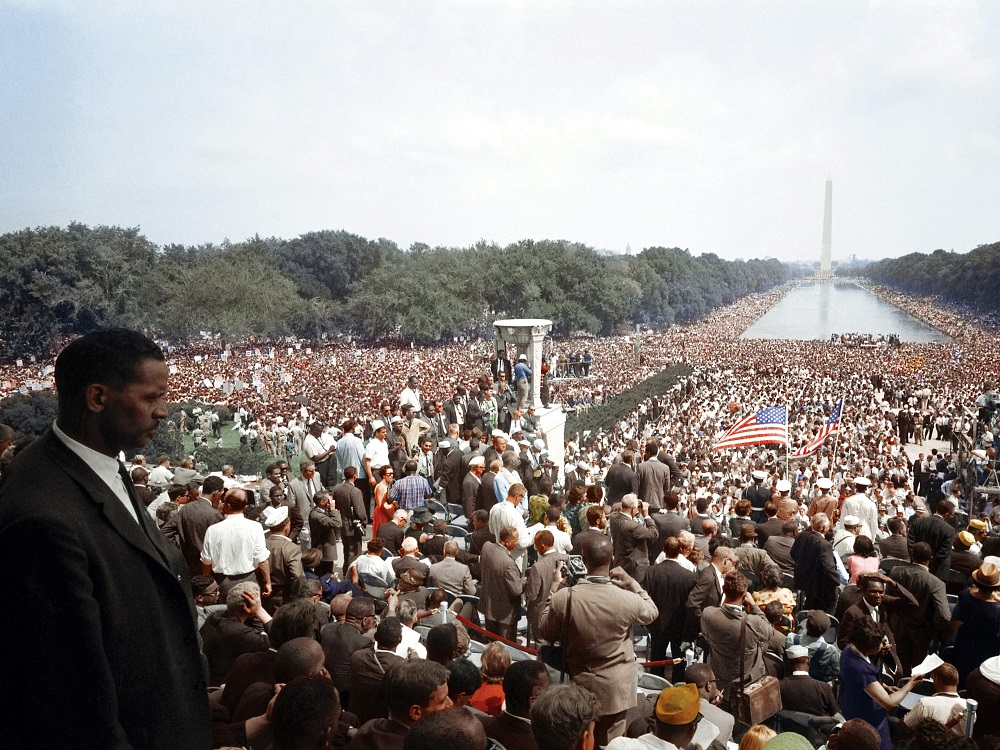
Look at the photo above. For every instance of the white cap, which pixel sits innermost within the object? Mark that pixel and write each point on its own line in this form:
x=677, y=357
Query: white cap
x=583, y=466
x=499, y=433
x=784, y=486
x=796, y=652
x=378, y=424
x=862, y=482
x=758, y=474
x=823, y=483
x=851, y=521
x=525, y=443
x=539, y=444
x=522, y=356
x=274, y=517
x=477, y=461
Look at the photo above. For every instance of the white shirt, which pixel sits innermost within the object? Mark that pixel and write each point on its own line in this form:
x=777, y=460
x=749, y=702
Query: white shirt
x=315, y=446
x=235, y=545
x=376, y=566
x=105, y=467
x=161, y=475
x=378, y=452
x=505, y=514
x=563, y=541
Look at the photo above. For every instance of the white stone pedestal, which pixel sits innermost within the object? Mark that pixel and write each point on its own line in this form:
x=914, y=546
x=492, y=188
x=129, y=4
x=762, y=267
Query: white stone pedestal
x=552, y=423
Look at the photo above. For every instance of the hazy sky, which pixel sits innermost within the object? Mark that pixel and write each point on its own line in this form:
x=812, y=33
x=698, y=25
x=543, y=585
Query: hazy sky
x=706, y=125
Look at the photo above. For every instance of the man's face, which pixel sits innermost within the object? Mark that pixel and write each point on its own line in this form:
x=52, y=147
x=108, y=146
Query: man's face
x=277, y=495
x=516, y=499
x=438, y=701
x=129, y=416
x=499, y=444
x=426, y=446
x=275, y=474
x=456, y=399
x=709, y=689
x=308, y=474
x=728, y=564
x=438, y=407
x=380, y=433
x=479, y=469
x=875, y=593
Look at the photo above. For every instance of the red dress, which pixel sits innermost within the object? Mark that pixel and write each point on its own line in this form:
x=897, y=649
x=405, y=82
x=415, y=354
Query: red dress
x=380, y=514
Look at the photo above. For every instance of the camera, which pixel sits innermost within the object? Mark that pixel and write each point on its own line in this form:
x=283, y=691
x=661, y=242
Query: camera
x=575, y=569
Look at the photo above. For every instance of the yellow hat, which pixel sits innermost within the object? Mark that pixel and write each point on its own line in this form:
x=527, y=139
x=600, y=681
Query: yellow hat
x=678, y=705
x=978, y=525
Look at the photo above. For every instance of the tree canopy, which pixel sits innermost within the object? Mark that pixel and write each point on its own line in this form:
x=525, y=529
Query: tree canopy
x=77, y=279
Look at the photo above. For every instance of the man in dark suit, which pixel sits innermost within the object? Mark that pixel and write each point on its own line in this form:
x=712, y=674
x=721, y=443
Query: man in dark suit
x=668, y=585
x=522, y=683
x=368, y=670
x=800, y=692
x=669, y=523
x=470, y=485
x=916, y=627
x=770, y=527
x=103, y=651
x=350, y=503
x=879, y=605
x=341, y=639
x=487, y=497
x=448, y=471
x=707, y=590
x=621, y=479
x=454, y=411
x=187, y=527
x=938, y=532
x=502, y=585
x=392, y=532
x=895, y=545
x=815, y=569
x=481, y=532
x=631, y=539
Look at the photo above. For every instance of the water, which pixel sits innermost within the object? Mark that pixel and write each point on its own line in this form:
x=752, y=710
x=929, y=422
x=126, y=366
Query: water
x=815, y=310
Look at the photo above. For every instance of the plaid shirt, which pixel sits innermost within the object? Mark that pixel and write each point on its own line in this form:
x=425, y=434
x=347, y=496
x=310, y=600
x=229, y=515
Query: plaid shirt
x=410, y=492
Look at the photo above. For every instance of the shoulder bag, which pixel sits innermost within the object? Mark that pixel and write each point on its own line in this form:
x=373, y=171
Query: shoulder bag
x=761, y=699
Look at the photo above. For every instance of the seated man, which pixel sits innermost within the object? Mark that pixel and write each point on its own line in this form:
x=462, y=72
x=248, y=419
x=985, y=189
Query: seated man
x=412, y=690
x=824, y=658
x=368, y=670
x=522, y=684
x=241, y=629
x=945, y=706
x=563, y=718
x=453, y=727
x=800, y=692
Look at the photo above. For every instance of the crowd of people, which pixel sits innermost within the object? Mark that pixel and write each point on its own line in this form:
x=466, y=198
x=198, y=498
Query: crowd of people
x=830, y=572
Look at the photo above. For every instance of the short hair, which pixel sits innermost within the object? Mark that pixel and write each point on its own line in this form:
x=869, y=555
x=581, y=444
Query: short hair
x=770, y=508
x=743, y=507
x=411, y=683
x=517, y=489
x=359, y=607
x=594, y=514
x=575, y=495
x=895, y=525
x=595, y=493
x=310, y=586
x=297, y=619
x=406, y=611
x=311, y=558
x=789, y=527
x=858, y=734
x=235, y=499
x=507, y=533
x=922, y=553
x=200, y=583
x=481, y=515
x=299, y=657
x=596, y=551
x=410, y=467
x=771, y=576
x=944, y=507
x=520, y=683
x=452, y=727
x=463, y=677
x=866, y=634
x=552, y=514
x=671, y=546
x=213, y=484
x=110, y=357
x=631, y=500
x=442, y=643
x=350, y=472
x=450, y=548
x=819, y=521
x=138, y=474
x=376, y=545
x=946, y=674
x=545, y=538
x=389, y=633
x=495, y=662
x=235, y=600
x=409, y=544
x=304, y=711
x=305, y=464
x=273, y=466
x=734, y=585
x=561, y=714
x=701, y=504
x=671, y=500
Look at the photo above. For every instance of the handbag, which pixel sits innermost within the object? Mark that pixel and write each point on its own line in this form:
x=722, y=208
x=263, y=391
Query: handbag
x=555, y=656
x=761, y=699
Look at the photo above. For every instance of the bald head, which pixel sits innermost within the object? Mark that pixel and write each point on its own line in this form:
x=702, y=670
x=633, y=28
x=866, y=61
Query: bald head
x=597, y=552
x=299, y=657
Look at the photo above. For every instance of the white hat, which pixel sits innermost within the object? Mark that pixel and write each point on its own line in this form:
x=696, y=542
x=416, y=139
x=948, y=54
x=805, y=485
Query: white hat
x=499, y=433
x=522, y=356
x=539, y=444
x=396, y=419
x=862, y=481
x=759, y=475
x=784, y=486
x=851, y=521
x=274, y=517
x=583, y=466
x=477, y=461
x=823, y=483
x=796, y=652
x=378, y=424
x=525, y=443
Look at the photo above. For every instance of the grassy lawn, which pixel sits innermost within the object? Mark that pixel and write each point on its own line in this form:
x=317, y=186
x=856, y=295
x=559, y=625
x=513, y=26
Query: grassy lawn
x=231, y=439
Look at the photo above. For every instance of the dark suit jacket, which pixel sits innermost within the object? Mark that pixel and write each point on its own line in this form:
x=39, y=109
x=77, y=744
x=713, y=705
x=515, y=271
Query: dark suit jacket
x=510, y=731
x=470, y=494
x=894, y=546
x=340, y=640
x=667, y=524
x=815, y=570
x=487, y=498
x=351, y=503
x=478, y=538
x=368, y=668
x=448, y=473
x=803, y=693
x=931, y=615
x=187, y=530
x=502, y=584
x=669, y=585
x=936, y=532
x=770, y=527
x=621, y=479
x=105, y=652
x=631, y=544
x=392, y=535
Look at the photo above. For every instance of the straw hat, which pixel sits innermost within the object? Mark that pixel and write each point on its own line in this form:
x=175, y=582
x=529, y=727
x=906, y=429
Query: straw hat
x=987, y=577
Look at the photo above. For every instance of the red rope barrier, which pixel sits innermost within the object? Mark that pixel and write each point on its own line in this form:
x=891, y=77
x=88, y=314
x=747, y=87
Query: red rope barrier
x=494, y=636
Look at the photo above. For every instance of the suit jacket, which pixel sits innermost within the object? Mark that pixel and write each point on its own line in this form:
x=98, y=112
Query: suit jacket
x=470, y=494
x=631, y=543
x=487, y=498
x=721, y=627
x=779, y=548
x=448, y=474
x=770, y=527
x=510, y=731
x=323, y=529
x=453, y=576
x=752, y=559
x=667, y=524
x=502, y=586
x=479, y=537
x=802, y=693
x=368, y=668
x=105, y=652
x=286, y=570
x=299, y=494
x=538, y=587
x=620, y=480
x=451, y=414
x=392, y=535
x=351, y=504
x=936, y=532
x=669, y=586
x=187, y=527
x=931, y=614
x=706, y=593
x=654, y=481
x=340, y=640
x=894, y=545
x=598, y=649
x=859, y=611
x=815, y=570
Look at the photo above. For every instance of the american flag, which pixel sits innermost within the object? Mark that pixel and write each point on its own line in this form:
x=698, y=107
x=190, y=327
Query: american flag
x=768, y=425
x=830, y=426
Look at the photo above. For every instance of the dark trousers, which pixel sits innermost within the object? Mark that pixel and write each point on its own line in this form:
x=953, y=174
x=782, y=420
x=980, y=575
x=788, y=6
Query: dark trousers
x=658, y=652
x=352, y=549
x=326, y=471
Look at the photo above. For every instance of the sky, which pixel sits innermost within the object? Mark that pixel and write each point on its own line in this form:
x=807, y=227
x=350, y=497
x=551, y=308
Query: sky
x=711, y=126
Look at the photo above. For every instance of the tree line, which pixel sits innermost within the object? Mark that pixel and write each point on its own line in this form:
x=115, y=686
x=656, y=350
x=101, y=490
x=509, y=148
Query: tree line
x=61, y=281
x=971, y=279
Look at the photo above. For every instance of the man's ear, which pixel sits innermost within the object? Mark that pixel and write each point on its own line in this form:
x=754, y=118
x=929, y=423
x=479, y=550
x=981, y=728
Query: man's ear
x=96, y=397
x=416, y=712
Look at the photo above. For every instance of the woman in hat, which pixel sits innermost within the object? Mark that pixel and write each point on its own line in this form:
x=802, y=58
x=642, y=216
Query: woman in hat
x=976, y=619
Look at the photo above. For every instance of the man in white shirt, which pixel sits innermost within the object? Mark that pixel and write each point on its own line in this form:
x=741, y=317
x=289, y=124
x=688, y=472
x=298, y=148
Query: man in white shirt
x=945, y=706
x=320, y=448
x=507, y=514
x=235, y=547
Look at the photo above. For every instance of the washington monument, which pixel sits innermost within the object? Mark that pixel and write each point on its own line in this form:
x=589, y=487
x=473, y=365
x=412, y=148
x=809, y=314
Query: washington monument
x=825, y=272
